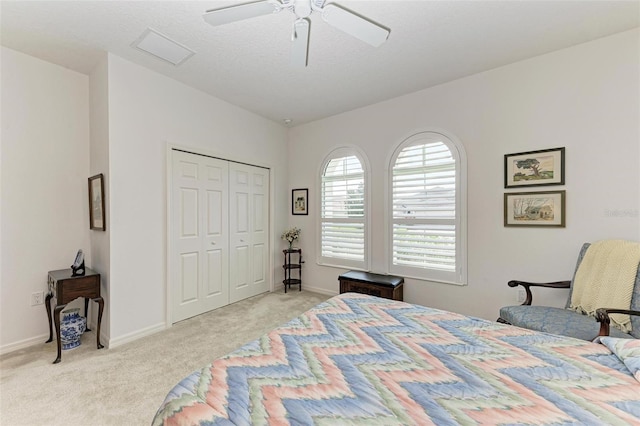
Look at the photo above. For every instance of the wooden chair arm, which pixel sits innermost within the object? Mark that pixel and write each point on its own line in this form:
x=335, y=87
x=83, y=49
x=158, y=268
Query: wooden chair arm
x=602, y=316
x=528, y=285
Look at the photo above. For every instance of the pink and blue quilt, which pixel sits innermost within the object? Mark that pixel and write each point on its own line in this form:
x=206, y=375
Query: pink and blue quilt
x=363, y=360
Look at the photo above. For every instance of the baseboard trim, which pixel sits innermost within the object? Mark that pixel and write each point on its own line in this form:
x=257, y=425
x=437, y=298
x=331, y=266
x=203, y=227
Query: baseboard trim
x=118, y=341
x=32, y=341
x=320, y=290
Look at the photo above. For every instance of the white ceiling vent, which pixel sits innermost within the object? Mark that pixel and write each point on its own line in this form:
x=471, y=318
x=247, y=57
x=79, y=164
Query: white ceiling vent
x=162, y=47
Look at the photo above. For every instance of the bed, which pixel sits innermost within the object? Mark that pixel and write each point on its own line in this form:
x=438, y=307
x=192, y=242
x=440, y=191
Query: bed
x=358, y=359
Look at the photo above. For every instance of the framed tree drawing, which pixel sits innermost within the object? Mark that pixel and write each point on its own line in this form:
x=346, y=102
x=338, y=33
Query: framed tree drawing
x=96, y=203
x=534, y=168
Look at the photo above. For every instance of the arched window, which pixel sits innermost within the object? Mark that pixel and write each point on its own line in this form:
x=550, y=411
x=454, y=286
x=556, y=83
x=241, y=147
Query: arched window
x=344, y=210
x=428, y=203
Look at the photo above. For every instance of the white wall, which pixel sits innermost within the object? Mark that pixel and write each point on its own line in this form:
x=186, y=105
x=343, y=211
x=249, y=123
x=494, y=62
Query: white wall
x=585, y=98
x=44, y=170
x=147, y=111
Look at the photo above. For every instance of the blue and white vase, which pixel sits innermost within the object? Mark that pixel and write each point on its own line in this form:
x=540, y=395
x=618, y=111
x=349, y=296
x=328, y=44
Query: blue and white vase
x=72, y=325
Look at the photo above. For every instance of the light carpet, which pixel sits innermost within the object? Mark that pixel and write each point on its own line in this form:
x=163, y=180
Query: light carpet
x=125, y=385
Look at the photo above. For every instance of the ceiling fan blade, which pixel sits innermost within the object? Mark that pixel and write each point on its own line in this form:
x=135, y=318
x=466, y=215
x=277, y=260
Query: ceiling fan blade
x=226, y=15
x=355, y=25
x=300, y=50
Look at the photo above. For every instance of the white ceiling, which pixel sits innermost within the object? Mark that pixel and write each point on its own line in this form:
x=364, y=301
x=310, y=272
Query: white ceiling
x=247, y=63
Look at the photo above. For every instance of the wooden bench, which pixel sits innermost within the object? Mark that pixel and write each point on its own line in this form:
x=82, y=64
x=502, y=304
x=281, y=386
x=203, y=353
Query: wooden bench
x=386, y=286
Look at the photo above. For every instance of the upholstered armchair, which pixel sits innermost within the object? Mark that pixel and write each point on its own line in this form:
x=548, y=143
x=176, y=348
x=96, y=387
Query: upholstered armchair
x=602, y=316
x=568, y=322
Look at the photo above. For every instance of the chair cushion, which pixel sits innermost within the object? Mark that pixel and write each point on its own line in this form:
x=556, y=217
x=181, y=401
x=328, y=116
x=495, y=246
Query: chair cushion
x=556, y=321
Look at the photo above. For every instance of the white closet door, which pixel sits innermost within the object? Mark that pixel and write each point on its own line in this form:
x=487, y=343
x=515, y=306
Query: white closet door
x=200, y=236
x=249, y=236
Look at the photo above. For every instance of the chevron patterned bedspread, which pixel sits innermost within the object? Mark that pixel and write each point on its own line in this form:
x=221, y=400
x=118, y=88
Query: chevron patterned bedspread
x=363, y=360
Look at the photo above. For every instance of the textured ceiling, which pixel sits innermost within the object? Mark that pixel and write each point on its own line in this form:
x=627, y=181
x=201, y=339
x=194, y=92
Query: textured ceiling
x=247, y=63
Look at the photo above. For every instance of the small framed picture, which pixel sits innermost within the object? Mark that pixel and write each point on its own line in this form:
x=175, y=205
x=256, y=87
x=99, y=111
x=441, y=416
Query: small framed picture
x=96, y=203
x=534, y=168
x=300, y=201
x=534, y=209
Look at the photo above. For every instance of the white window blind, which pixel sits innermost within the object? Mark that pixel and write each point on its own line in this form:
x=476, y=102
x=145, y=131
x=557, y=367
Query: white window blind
x=343, y=221
x=424, y=234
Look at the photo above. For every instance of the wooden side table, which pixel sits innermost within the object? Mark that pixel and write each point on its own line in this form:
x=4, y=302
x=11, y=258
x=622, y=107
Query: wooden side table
x=386, y=286
x=65, y=288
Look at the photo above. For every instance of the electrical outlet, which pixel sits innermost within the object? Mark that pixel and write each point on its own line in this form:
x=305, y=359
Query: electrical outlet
x=521, y=295
x=37, y=298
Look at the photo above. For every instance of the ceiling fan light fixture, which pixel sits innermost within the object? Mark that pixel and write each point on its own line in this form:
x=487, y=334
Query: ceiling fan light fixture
x=302, y=8
x=339, y=17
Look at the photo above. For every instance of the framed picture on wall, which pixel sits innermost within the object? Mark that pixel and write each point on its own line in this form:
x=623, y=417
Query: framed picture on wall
x=535, y=209
x=96, y=203
x=534, y=168
x=300, y=201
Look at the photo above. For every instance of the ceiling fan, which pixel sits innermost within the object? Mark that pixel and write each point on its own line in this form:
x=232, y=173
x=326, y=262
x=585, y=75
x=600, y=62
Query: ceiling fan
x=333, y=14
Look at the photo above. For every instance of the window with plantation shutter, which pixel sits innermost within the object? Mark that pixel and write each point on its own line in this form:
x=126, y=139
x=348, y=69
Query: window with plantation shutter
x=427, y=228
x=343, y=216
